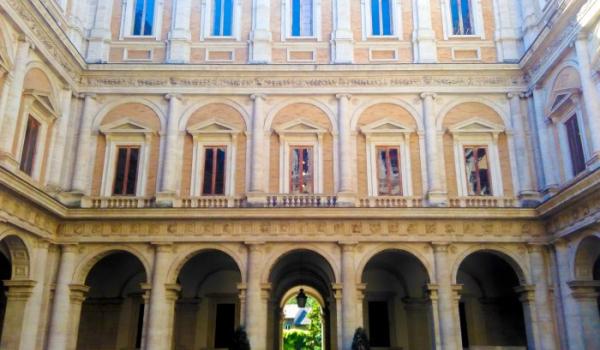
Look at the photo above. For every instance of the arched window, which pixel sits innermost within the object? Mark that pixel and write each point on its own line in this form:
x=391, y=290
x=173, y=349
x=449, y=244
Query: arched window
x=381, y=17
x=143, y=23
x=222, y=18
x=302, y=18
x=462, y=17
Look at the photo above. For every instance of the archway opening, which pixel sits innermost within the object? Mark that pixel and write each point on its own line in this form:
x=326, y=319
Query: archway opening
x=490, y=311
x=112, y=315
x=208, y=308
x=310, y=271
x=302, y=325
x=5, y=274
x=396, y=309
x=596, y=275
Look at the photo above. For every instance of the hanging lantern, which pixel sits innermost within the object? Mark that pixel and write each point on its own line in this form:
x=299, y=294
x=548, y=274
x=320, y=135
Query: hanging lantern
x=301, y=298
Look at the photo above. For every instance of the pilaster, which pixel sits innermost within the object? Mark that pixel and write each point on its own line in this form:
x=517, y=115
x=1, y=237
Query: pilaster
x=180, y=36
x=349, y=295
x=342, y=41
x=100, y=34
x=17, y=296
x=257, y=169
x=160, y=313
x=346, y=154
x=447, y=299
x=260, y=36
x=436, y=194
x=81, y=175
x=256, y=306
x=424, y=42
x=547, y=145
x=586, y=295
x=173, y=153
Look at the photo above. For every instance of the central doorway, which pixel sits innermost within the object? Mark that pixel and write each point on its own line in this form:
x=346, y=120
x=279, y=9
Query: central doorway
x=301, y=321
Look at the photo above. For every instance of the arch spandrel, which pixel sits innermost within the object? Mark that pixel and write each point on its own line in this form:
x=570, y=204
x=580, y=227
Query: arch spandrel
x=370, y=253
x=403, y=108
x=198, y=107
x=90, y=259
x=179, y=261
x=270, y=261
x=474, y=107
x=516, y=261
x=276, y=111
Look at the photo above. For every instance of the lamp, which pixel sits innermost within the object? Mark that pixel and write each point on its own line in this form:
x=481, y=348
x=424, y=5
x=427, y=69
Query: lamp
x=301, y=298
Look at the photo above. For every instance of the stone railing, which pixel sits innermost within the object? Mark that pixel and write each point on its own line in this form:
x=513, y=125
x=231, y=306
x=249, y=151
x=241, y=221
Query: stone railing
x=118, y=202
x=301, y=201
x=210, y=202
x=390, y=202
x=482, y=202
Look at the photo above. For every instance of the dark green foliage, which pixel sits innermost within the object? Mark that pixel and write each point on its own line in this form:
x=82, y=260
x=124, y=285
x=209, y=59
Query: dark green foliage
x=360, y=340
x=240, y=340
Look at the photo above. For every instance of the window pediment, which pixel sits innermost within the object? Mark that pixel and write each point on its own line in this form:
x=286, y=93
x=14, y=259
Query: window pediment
x=43, y=100
x=212, y=127
x=125, y=127
x=385, y=126
x=476, y=126
x=559, y=100
x=300, y=127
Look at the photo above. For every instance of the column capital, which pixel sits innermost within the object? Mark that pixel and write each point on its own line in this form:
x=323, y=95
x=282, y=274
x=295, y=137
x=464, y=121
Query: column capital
x=514, y=94
x=343, y=96
x=533, y=247
x=78, y=292
x=84, y=95
x=348, y=246
x=19, y=289
x=255, y=246
x=41, y=243
x=172, y=291
x=170, y=97
x=162, y=247
x=255, y=97
x=440, y=247
x=583, y=289
x=25, y=40
x=428, y=95
x=526, y=292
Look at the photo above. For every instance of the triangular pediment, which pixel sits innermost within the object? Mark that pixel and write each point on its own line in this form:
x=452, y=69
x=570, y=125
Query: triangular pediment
x=124, y=127
x=44, y=100
x=476, y=125
x=212, y=126
x=300, y=126
x=386, y=126
x=560, y=99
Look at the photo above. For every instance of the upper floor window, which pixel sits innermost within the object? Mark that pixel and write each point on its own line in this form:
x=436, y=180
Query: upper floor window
x=381, y=17
x=301, y=169
x=477, y=167
x=126, y=170
x=30, y=146
x=222, y=18
x=389, y=178
x=143, y=23
x=575, y=145
x=213, y=182
x=462, y=17
x=302, y=18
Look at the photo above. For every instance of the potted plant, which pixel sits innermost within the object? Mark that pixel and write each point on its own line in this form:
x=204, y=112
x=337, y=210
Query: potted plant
x=360, y=340
x=240, y=340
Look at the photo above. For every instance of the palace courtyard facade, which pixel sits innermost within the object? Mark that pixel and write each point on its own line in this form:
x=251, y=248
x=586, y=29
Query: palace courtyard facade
x=428, y=170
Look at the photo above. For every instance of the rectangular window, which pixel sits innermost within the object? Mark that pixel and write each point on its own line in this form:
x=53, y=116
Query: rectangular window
x=389, y=181
x=214, y=170
x=301, y=169
x=381, y=17
x=29, y=145
x=302, y=17
x=143, y=22
x=477, y=166
x=127, y=170
x=461, y=17
x=222, y=17
x=224, y=325
x=379, y=324
x=575, y=145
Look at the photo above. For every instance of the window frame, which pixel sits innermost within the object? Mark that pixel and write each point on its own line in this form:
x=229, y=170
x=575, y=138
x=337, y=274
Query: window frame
x=396, y=19
x=127, y=167
x=34, y=148
x=207, y=22
x=387, y=149
x=563, y=138
x=489, y=171
x=311, y=167
x=287, y=21
x=128, y=21
x=213, y=186
x=477, y=18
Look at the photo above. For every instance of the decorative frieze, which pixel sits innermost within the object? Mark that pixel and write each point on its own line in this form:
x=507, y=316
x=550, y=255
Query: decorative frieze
x=23, y=214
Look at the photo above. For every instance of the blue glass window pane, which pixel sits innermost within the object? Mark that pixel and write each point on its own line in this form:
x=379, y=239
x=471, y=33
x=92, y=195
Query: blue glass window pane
x=296, y=18
x=375, y=17
x=455, y=17
x=217, y=17
x=137, y=20
x=149, y=20
x=227, y=17
x=466, y=16
x=386, y=17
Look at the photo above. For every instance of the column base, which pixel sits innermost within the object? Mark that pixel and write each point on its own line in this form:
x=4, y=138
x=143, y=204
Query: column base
x=342, y=48
x=529, y=199
x=256, y=199
x=437, y=199
x=166, y=199
x=346, y=199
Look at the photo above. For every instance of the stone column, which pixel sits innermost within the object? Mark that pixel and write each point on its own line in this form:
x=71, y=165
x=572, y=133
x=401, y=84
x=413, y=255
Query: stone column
x=159, y=314
x=543, y=302
x=19, y=292
x=591, y=100
x=81, y=176
x=58, y=333
x=100, y=35
x=78, y=293
x=6, y=86
x=434, y=331
x=180, y=36
x=349, y=294
x=508, y=33
x=530, y=21
x=256, y=306
x=435, y=190
x=171, y=170
x=447, y=300
x=346, y=152
x=242, y=297
x=570, y=309
x=586, y=294
x=547, y=145
x=59, y=141
x=342, y=36
x=424, y=42
x=521, y=155
x=527, y=298
x=13, y=104
x=257, y=166
x=260, y=36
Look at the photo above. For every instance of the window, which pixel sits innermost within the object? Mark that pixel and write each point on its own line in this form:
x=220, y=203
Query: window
x=224, y=325
x=29, y=146
x=301, y=169
x=126, y=170
x=461, y=12
x=222, y=18
x=575, y=145
x=302, y=18
x=477, y=171
x=381, y=17
x=379, y=324
x=214, y=170
x=143, y=17
x=389, y=180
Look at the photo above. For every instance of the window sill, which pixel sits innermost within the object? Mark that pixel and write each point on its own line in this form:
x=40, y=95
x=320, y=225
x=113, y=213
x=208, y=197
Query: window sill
x=140, y=37
x=466, y=36
x=222, y=38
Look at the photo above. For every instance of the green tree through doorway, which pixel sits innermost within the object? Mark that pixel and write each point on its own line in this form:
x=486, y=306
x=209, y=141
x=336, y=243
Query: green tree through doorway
x=302, y=327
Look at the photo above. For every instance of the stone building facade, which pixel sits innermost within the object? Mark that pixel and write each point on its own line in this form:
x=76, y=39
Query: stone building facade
x=172, y=169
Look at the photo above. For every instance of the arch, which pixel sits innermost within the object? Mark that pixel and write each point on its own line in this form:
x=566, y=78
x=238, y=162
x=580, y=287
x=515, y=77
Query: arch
x=107, y=108
x=388, y=100
x=180, y=261
x=274, y=111
x=509, y=257
x=187, y=114
x=20, y=257
x=382, y=248
x=586, y=252
x=274, y=259
x=501, y=111
x=88, y=262
x=570, y=63
x=308, y=290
